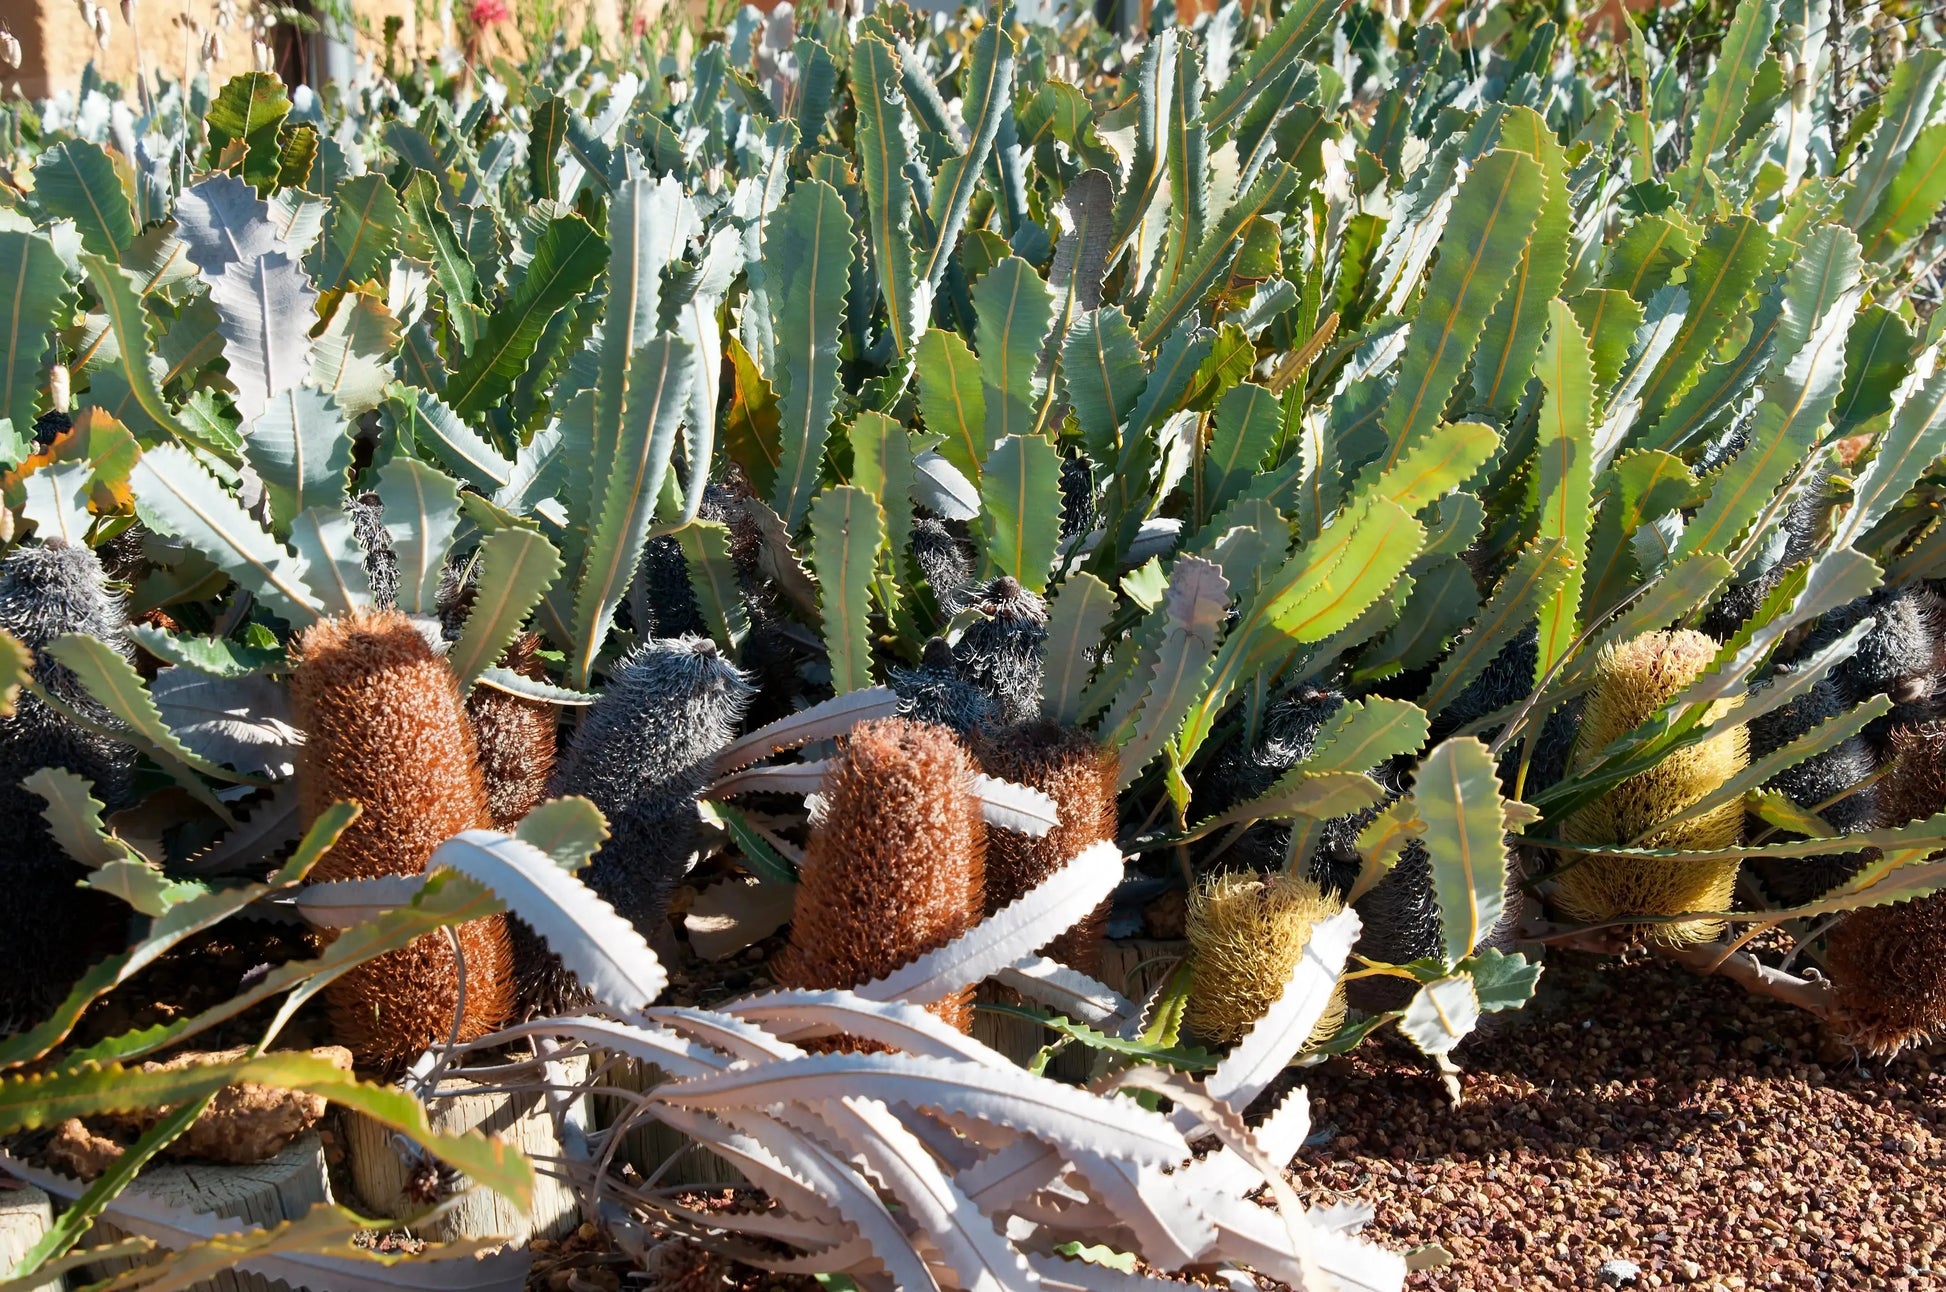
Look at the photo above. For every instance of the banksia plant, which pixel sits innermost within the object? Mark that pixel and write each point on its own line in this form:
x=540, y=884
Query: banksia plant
x=49, y=927
x=1073, y=768
x=1887, y=966
x=643, y=754
x=384, y=727
x=515, y=737
x=1633, y=680
x=1001, y=651
x=896, y=864
x=1246, y=934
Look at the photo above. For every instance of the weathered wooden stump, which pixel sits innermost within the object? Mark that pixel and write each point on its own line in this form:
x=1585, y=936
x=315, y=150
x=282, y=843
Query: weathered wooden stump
x=650, y=1144
x=382, y=1169
x=262, y=1193
x=25, y=1215
x=1133, y=966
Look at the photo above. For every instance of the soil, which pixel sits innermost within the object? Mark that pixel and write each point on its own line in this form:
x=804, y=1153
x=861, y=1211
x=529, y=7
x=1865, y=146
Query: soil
x=1637, y=1113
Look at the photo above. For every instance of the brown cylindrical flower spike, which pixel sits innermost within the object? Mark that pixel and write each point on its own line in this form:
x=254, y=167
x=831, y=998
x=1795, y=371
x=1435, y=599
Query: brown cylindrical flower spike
x=1888, y=974
x=516, y=738
x=384, y=727
x=896, y=865
x=1078, y=773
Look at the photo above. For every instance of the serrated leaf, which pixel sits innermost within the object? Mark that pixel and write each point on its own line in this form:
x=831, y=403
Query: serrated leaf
x=75, y=180
x=1102, y=370
x=1911, y=201
x=1020, y=508
x=1915, y=439
x=1716, y=281
x=421, y=514
x=333, y=559
x=360, y=230
x=1564, y=460
x=568, y=829
x=248, y=111
x=1535, y=579
x=885, y=139
x=425, y=421
x=568, y=256
x=352, y=359
x=1904, y=110
x=74, y=818
x=241, y=722
x=1738, y=60
x=952, y=400
x=847, y=528
x=1442, y=1014
x=1077, y=614
x=1192, y=613
x=808, y=247
x=517, y=567
x=129, y=321
x=1249, y=420
x=713, y=578
x=986, y=97
x=661, y=371
x=1491, y=223
x=1501, y=979
x=1362, y=734
x=1299, y=24
x=1298, y=795
x=37, y=284
x=1437, y=463
x=1340, y=576
x=426, y=223
x=174, y=495
x=301, y=448
x=1015, y=308
x=1457, y=796
x=1512, y=340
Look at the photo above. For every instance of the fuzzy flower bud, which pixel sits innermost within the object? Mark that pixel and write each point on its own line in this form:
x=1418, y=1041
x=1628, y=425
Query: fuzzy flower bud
x=1246, y=935
x=1633, y=680
x=1001, y=653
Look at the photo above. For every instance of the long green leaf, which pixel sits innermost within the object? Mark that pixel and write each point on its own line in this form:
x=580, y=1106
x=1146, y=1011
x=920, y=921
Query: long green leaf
x=1101, y=367
x=1915, y=440
x=1505, y=358
x=247, y=112
x=984, y=99
x=1536, y=578
x=808, y=248
x=421, y=514
x=40, y=1100
x=174, y=495
x=567, y=258
x=301, y=447
x=1020, y=508
x=1725, y=94
x=952, y=400
x=1491, y=222
x=662, y=372
x=1717, y=280
x=1188, y=170
x=129, y=321
x=713, y=577
x=1365, y=733
x=35, y=283
x=360, y=230
x=1077, y=614
x=74, y=180
x=516, y=568
x=438, y=240
x=1191, y=614
x=1564, y=458
x=1911, y=201
x=1341, y=577
x=1300, y=23
x=1904, y=110
x=1458, y=798
x=1015, y=308
x=846, y=531
x=884, y=145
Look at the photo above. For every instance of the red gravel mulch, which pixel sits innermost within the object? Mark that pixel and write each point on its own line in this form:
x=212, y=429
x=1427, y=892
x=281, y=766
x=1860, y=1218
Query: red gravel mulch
x=1637, y=1113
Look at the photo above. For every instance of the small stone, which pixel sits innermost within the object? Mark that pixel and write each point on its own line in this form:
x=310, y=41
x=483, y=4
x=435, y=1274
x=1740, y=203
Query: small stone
x=1618, y=1273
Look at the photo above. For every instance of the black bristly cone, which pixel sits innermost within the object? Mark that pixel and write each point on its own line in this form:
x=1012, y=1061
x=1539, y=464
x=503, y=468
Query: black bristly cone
x=1079, y=513
x=643, y=753
x=661, y=601
x=1795, y=540
x=946, y=564
x=381, y=565
x=1901, y=656
x=935, y=692
x=1001, y=653
x=1507, y=679
x=50, y=929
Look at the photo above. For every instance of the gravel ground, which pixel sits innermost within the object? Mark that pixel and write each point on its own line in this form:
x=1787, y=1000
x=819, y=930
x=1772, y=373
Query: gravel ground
x=1638, y=1113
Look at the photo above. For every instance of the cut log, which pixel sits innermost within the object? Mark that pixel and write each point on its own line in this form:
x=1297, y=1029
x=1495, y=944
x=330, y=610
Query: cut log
x=1135, y=966
x=383, y=1169
x=25, y=1215
x=263, y=1193
x=649, y=1145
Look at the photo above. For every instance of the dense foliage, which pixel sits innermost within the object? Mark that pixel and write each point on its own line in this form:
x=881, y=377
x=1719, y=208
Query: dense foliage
x=1463, y=472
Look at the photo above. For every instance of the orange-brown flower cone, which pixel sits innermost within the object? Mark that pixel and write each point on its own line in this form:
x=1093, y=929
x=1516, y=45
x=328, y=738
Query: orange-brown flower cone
x=1888, y=974
x=516, y=738
x=896, y=865
x=384, y=727
x=1078, y=773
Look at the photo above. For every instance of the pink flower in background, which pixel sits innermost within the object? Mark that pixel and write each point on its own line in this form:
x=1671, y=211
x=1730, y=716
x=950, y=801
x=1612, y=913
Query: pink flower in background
x=484, y=13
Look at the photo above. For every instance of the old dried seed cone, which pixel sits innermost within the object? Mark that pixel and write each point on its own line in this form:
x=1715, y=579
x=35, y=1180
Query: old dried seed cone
x=384, y=726
x=515, y=737
x=896, y=865
x=1246, y=935
x=1633, y=680
x=51, y=929
x=1888, y=972
x=1887, y=964
x=1078, y=773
